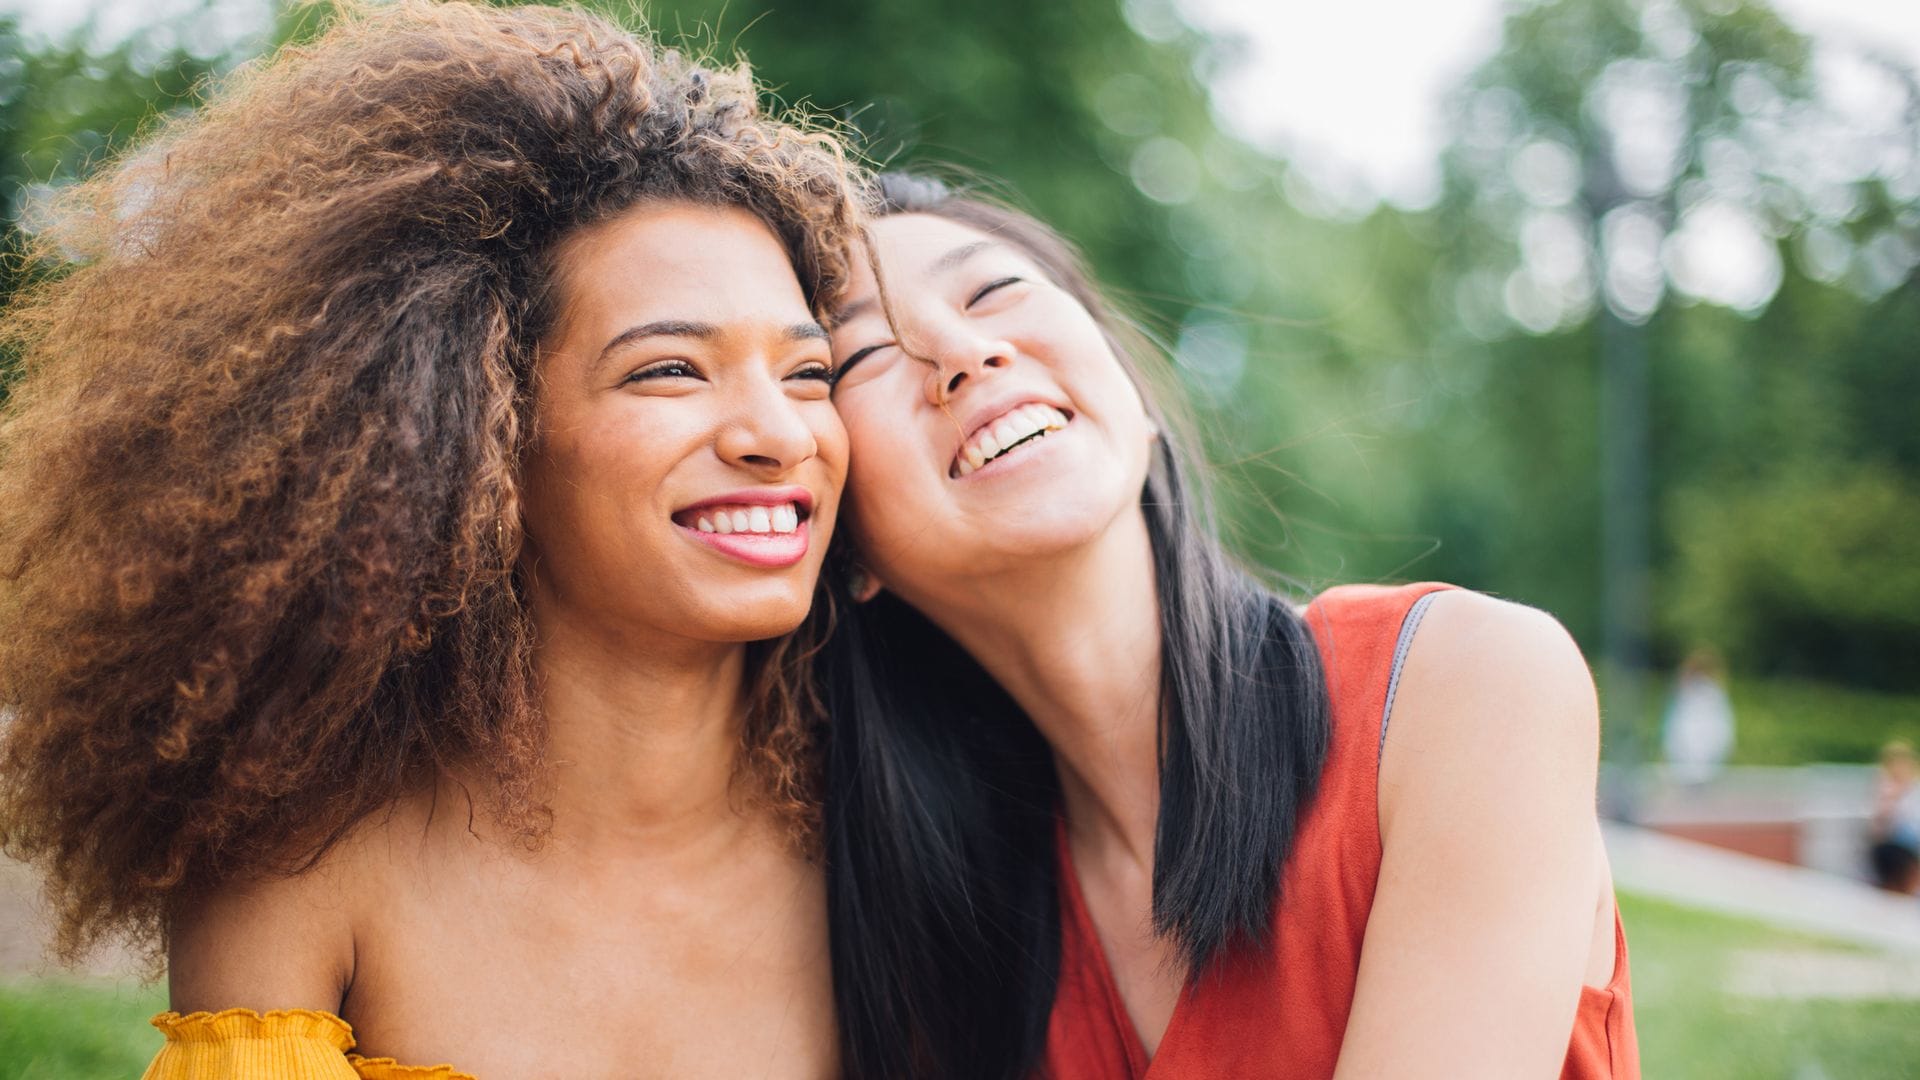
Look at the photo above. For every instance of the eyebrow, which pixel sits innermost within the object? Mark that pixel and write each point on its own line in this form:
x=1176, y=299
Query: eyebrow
x=961, y=254
x=803, y=331
x=943, y=264
x=852, y=311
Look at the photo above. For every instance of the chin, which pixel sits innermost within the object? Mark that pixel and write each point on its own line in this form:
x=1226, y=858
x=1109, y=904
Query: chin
x=755, y=619
x=1052, y=526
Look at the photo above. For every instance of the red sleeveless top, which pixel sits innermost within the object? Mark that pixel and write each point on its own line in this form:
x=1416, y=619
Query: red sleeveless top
x=1281, y=1012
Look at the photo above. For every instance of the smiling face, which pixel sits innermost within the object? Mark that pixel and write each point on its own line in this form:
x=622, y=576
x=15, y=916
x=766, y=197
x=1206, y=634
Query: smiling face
x=686, y=463
x=1004, y=430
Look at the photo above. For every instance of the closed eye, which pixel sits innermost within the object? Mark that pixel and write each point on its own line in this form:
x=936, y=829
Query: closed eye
x=990, y=287
x=857, y=356
x=817, y=371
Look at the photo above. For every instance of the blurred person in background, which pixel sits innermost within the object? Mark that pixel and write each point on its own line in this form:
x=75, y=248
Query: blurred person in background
x=412, y=489
x=1895, y=867
x=1893, y=837
x=1697, y=732
x=1100, y=801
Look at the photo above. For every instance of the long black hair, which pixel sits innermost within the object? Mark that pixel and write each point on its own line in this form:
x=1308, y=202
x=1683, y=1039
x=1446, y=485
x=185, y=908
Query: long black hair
x=943, y=891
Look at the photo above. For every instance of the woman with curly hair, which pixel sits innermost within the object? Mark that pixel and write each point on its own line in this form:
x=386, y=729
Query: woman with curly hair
x=411, y=488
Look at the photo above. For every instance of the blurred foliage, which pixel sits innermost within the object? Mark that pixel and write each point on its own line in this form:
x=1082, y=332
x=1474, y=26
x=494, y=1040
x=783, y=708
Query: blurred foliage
x=1785, y=721
x=65, y=107
x=1816, y=571
x=1395, y=393
x=1056, y=100
x=1585, y=153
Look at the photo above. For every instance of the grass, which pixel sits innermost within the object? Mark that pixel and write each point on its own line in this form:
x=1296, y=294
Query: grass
x=1690, y=1028
x=57, y=1030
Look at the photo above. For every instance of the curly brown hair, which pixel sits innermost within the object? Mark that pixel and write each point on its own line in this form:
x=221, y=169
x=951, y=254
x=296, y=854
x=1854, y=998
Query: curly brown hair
x=256, y=564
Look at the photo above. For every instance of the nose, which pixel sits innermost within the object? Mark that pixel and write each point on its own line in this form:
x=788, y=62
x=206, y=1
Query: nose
x=764, y=429
x=960, y=359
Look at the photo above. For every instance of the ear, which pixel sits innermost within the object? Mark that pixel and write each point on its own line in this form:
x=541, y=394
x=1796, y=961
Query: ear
x=864, y=584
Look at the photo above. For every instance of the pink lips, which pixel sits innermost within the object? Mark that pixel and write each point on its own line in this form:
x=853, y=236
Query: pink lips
x=771, y=550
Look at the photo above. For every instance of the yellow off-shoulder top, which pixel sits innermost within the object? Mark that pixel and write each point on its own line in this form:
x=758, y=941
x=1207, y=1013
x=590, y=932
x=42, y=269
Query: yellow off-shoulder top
x=285, y=1044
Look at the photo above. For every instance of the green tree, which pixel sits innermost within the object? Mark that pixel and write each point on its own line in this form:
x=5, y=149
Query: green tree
x=1597, y=160
x=65, y=107
x=1065, y=102
x=1397, y=393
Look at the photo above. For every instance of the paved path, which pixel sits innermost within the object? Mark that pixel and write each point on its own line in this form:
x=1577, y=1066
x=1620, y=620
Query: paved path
x=1650, y=864
x=1800, y=974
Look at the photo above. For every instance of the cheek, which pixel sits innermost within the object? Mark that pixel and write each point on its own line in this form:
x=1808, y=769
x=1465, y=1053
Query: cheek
x=884, y=492
x=605, y=447
x=870, y=421
x=866, y=435
x=588, y=478
x=830, y=434
x=1089, y=358
x=874, y=478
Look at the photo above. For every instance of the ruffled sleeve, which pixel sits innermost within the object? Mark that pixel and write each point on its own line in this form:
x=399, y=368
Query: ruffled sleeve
x=389, y=1069
x=285, y=1044
x=241, y=1044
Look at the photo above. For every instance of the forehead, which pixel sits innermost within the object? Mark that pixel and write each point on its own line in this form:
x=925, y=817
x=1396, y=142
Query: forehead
x=915, y=244
x=711, y=263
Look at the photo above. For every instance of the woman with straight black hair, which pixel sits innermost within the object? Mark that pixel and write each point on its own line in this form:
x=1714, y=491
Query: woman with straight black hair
x=1101, y=802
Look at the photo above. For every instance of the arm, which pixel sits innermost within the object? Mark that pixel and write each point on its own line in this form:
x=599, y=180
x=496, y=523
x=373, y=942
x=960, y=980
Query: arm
x=1491, y=866
x=286, y=943
x=250, y=971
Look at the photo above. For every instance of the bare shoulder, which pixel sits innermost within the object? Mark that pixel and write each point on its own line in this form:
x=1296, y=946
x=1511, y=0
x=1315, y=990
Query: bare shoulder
x=1494, y=657
x=1492, y=878
x=280, y=941
x=1491, y=690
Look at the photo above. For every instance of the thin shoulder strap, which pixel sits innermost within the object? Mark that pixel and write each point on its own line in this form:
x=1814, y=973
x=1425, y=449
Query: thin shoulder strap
x=1407, y=626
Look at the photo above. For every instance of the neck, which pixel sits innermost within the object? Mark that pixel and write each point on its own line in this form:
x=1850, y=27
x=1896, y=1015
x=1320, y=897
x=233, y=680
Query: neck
x=1090, y=683
x=643, y=741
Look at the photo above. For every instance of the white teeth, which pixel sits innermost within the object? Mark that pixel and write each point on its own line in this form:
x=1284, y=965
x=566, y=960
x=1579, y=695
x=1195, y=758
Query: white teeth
x=1017, y=425
x=784, y=518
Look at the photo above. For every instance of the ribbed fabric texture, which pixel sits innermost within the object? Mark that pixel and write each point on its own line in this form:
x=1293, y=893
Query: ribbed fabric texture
x=285, y=1044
